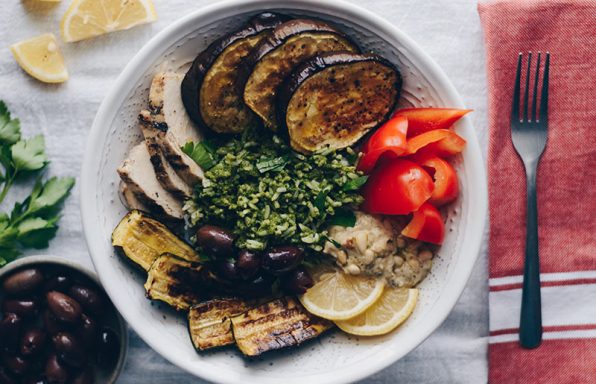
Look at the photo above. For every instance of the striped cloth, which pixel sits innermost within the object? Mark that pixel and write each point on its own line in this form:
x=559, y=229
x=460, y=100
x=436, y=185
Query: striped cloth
x=566, y=192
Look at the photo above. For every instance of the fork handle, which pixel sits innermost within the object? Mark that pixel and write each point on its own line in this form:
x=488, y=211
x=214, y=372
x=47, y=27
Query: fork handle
x=530, y=326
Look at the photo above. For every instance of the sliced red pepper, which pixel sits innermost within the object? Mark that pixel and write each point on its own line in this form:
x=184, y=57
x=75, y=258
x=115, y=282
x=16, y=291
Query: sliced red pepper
x=396, y=187
x=422, y=120
x=446, y=186
x=390, y=138
x=426, y=225
x=440, y=142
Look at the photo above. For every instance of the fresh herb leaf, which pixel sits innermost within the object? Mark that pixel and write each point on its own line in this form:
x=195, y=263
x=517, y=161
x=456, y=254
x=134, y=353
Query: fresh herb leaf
x=272, y=164
x=10, y=129
x=37, y=232
x=48, y=197
x=354, y=184
x=335, y=243
x=29, y=155
x=320, y=200
x=343, y=218
x=202, y=153
x=8, y=254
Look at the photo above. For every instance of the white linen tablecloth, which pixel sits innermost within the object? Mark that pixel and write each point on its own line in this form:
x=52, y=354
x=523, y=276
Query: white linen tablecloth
x=448, y=30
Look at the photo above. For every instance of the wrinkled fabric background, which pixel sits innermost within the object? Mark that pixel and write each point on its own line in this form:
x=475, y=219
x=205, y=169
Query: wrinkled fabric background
x=448, y=30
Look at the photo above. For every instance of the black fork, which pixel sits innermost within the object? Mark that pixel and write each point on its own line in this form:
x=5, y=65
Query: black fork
x=528, y=133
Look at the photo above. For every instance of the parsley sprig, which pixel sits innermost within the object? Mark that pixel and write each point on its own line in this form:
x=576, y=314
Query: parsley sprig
x=32, y=223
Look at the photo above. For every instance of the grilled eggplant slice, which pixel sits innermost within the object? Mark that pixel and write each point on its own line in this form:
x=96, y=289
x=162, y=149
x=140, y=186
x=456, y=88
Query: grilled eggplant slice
x=175, y=281
x=334, y=99
x=209, y=322
x=142, y=239
x=276, y=55
x=211, y=91
x=274, y=325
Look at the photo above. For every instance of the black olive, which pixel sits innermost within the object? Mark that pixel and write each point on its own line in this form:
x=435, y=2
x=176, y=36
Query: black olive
x=25, y=281
x=215, y=240
x=56, y=372
x=108, y=348
x=228, y=269
x=282, y=259
x=64, y=307
x=33, y=342
x=15, y=363
x=69, y=349
x=35, y=379
x=258, y=287
x=87, y=331
x=5, y=377
x=92, y=301
x=297, y=281
x=84, y=377
x=10, y=330
x=52, y=324
x=248, y=264
x=23, y=308
x=60, y=282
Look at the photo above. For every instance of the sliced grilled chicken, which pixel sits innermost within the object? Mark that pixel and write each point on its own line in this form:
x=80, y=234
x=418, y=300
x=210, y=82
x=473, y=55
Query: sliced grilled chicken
x=165, y=173
x=138, y=174
x=129, y=199
x=172, y=128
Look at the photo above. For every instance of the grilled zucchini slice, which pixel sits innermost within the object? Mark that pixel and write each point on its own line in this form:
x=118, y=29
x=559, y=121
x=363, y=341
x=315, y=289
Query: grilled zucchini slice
x=276, y=55
x=334, y=99
x=211, y=91
x=177, y=282
x=209, y=322
x=274, y=325
x=142, y=239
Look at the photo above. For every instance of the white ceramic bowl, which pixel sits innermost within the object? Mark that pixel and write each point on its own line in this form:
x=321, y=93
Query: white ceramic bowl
x=335, y=358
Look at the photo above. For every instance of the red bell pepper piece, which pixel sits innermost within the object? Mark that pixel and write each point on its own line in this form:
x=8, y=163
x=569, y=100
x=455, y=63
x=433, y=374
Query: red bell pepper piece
x=426, y=225
x=422, y=120
x=440, y=142
x=446, y=187
x=389, y=139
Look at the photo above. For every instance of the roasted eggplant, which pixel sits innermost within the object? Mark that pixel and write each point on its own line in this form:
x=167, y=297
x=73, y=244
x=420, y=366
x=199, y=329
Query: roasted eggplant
x=276, y=55
x=211, y=91
x=209, y=322
x=334, y=99
x=177, y=282
x=274, y=325
x=142, y=239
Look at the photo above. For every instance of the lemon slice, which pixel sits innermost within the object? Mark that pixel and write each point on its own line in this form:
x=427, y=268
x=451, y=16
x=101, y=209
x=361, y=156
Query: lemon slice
x=41, y=58
x=90, y=18
x=393, y=308
x=339, y=296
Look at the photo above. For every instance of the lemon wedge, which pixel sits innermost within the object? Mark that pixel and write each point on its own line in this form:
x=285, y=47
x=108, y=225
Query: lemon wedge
x=393, y=308
x=89, y=18
x=339, y=296
x=41, y=58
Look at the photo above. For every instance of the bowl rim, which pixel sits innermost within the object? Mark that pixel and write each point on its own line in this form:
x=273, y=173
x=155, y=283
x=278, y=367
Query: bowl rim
x=61, y=261
x=477, y=207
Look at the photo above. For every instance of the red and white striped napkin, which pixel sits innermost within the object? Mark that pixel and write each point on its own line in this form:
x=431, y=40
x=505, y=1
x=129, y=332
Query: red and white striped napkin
x=566, y=191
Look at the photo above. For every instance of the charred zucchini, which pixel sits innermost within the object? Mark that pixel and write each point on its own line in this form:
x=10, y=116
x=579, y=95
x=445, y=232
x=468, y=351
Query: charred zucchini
x=177, y=282
x=209, y=323
x=274, y=325
x=211, y=91
x=334, y=99
x=142, y=239
x=276, y=55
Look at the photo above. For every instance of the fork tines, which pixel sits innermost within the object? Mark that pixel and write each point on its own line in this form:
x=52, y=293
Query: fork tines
x=536, y=115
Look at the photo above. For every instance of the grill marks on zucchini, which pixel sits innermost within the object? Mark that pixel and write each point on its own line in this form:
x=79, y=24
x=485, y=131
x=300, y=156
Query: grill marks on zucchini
x=143, y=239
x=176, y=282
x=275, y=56
x=211, y=89
x=334, y=99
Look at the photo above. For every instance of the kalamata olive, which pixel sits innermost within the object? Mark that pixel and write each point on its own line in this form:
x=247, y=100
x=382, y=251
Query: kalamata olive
x=88, y=298
x=227, y=269
x=56, y=372
x=248, y=264
x=215, y=240
x=69, y=349
x=23, y=308
x=5, y=377
x=297, y=281
x=24, y=281
x=34, y=379
x=60, y=282
x=52, y=324
x=33, y=342
x=64, y=307
x=282, y=259
x=10, y=331
x=258, y=287
x=108, y=348
x=15, y=363
x=87, y=331
x=84, y=377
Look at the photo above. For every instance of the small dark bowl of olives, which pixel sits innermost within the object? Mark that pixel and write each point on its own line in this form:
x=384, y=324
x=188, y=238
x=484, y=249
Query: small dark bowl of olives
x=57, y=325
